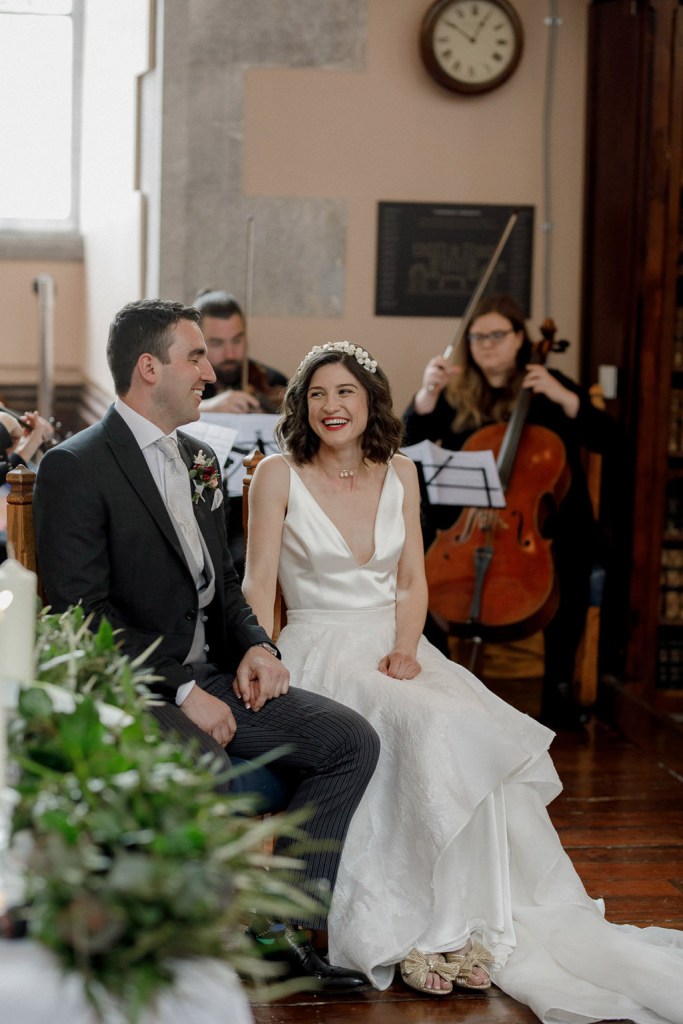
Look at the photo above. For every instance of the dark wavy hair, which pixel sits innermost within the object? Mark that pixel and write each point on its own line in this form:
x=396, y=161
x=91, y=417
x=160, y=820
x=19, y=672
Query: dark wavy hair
x=384, y=432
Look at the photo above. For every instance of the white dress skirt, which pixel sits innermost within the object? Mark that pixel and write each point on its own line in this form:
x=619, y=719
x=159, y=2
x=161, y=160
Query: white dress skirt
x=452, y=837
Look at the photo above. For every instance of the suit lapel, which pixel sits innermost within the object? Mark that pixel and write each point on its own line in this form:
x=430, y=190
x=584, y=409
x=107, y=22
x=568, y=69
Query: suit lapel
x=126, y=451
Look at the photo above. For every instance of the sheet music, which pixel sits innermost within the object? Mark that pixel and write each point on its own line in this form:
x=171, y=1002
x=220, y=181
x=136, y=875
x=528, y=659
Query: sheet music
x=458, y=478
x=252, y=430
x=220, y=438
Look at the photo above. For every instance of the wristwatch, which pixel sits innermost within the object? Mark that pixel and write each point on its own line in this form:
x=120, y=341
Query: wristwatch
x=271, y=648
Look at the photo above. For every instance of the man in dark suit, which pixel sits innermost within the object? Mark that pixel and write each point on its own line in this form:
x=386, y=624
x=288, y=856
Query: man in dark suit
x=116, y=533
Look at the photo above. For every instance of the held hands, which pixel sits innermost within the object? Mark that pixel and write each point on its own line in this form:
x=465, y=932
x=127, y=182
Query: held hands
x=231, y=401
x=399, y=665
x=541, y=382
x=260, y=677
x=210, y=714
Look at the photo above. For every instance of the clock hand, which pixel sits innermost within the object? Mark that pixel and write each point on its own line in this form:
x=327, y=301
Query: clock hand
x=481, y=25
x=451, y=24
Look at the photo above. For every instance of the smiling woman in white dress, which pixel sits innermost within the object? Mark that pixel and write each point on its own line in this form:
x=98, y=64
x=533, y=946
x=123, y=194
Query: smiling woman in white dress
x=451, y=867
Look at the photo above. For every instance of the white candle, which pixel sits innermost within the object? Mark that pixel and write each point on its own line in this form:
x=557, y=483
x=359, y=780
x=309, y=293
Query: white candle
x=18, y=588
x=3, y=745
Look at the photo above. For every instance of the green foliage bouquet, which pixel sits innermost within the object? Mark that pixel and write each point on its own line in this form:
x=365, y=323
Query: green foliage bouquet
x=132, y=861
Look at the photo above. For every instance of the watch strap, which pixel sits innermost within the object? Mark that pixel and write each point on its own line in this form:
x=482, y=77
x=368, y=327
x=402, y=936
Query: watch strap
x=271, y=648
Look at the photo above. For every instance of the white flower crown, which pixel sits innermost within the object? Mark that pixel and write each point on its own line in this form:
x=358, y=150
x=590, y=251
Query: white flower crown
x=361, y=356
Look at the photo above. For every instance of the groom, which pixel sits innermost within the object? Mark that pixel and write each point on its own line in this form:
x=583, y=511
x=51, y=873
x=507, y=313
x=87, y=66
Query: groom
x=130, y=523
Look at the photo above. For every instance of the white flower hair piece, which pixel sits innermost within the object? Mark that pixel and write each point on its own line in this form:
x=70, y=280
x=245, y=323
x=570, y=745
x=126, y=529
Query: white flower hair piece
x=349, y=349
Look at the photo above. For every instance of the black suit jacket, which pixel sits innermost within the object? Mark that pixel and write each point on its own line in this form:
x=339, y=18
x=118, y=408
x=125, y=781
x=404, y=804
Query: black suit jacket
x=105, y=538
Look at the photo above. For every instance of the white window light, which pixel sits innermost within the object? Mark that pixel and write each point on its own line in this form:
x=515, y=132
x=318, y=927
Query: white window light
x=38, y=115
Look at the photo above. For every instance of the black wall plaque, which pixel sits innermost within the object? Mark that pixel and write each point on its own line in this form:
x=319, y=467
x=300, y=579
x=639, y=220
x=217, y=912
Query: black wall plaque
x=431, y=256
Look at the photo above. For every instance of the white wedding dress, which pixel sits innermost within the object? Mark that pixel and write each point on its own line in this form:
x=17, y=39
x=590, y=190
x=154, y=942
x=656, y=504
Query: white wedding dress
x=452, y=837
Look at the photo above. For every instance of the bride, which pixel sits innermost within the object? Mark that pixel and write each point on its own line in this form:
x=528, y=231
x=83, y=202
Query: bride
x=451, y=868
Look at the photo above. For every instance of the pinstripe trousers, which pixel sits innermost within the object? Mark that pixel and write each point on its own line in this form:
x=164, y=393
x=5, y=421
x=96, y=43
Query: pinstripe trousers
x=333, y=752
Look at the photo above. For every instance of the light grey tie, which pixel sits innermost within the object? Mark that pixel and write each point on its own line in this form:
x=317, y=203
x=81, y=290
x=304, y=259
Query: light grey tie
x=178, y=496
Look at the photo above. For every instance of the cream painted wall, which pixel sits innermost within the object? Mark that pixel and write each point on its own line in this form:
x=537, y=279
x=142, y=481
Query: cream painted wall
x=20, y=333
x=390, y=133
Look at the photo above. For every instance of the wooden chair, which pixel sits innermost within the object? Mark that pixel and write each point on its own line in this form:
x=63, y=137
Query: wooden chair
x=250, y=462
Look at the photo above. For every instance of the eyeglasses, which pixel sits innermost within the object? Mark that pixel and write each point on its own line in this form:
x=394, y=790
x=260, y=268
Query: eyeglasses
x=495, y=336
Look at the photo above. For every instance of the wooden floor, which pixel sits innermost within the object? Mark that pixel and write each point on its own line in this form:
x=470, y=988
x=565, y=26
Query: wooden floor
x=620, y=818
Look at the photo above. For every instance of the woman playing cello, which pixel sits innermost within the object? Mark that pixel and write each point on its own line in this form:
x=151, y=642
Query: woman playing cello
x=481, y=388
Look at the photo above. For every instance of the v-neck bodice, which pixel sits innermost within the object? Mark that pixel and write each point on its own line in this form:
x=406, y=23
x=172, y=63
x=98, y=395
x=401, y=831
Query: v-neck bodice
x=317, y=567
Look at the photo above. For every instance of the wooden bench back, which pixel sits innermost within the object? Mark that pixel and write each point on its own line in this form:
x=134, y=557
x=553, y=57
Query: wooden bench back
x=21, y=538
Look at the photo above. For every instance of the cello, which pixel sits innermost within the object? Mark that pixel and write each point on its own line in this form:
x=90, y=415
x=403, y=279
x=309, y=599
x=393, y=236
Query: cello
x=491, y=576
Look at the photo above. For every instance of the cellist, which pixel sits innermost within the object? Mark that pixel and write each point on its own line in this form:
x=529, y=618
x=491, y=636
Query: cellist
x=481, y=387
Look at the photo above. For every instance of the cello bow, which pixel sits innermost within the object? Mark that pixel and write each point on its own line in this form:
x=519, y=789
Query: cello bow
x=451, y=348
x=248, y=292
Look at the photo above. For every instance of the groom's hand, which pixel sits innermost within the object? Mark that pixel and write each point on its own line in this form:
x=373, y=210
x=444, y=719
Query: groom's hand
x=260, y=677
x=210, y=714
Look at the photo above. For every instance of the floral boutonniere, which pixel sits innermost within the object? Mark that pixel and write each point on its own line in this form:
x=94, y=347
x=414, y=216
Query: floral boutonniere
x=203, y=474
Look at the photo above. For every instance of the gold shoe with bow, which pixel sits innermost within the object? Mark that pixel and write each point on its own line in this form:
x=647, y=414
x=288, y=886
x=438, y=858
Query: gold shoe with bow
x=417, y=966
x=464, y=961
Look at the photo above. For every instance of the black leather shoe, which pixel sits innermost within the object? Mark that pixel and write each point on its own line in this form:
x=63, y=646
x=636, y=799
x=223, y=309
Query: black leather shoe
x=285, y=946
x=560, y=710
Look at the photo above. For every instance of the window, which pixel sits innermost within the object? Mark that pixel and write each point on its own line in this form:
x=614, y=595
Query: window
x=38, y=114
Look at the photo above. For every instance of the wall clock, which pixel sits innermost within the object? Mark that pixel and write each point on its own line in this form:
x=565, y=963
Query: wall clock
x=471, y=46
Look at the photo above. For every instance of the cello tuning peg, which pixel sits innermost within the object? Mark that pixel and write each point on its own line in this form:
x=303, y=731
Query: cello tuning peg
x=561, y=346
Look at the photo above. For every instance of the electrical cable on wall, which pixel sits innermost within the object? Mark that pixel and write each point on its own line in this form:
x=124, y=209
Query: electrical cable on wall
x=553, y=21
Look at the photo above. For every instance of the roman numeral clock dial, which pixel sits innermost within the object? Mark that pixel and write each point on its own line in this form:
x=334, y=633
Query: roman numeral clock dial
x=471, y=46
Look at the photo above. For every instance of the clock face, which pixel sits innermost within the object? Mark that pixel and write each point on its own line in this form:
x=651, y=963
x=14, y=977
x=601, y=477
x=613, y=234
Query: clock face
x=471, y=46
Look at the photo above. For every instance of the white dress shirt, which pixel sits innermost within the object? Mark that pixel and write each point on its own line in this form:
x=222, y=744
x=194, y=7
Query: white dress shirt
x=146, y=434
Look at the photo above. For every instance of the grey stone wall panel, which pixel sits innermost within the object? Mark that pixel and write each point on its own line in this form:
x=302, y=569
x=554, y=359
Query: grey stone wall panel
x=300, y=243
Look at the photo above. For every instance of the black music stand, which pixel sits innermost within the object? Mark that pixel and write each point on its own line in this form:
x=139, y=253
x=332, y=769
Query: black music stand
x=464, y=479
x=461, y=479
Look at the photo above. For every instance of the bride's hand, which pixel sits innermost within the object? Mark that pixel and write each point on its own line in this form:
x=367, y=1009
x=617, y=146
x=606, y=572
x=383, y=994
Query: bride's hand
x=400, y=665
